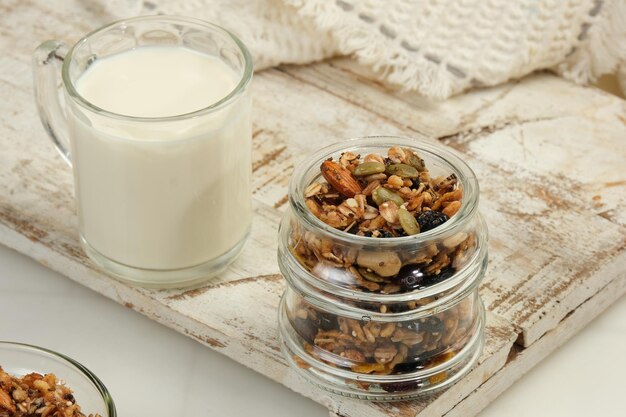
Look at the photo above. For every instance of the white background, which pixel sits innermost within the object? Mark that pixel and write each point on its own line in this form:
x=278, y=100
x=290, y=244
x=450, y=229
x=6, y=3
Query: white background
x=154, y=371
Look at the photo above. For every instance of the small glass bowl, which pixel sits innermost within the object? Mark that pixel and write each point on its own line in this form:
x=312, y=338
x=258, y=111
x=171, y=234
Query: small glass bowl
x=344, y=323
x=19, y=359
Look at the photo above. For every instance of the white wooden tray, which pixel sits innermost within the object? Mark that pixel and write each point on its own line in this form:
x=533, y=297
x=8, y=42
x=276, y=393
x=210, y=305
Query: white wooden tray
x=549, y=156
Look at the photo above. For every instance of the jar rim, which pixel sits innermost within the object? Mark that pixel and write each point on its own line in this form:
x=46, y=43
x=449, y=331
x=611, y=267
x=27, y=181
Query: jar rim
x=456, y=164
x=477, y=340
x=314, y=290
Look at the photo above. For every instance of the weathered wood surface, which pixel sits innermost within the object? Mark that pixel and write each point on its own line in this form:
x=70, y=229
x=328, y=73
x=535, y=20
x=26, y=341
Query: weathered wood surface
x=550, y=157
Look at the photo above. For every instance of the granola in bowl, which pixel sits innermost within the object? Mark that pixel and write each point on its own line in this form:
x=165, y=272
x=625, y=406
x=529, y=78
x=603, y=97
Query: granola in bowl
x=37, y=395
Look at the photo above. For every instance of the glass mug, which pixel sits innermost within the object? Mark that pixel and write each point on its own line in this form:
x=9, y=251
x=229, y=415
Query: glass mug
x=162, y=201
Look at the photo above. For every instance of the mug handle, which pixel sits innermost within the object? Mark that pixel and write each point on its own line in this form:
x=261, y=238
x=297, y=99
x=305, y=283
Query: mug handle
x=47, y=62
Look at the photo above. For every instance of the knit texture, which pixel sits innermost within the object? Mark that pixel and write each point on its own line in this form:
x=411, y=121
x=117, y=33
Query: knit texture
x=436, y=47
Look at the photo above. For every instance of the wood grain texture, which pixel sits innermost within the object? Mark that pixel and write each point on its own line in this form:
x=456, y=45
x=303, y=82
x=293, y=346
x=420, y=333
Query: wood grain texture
x=549, y=156
x=521, y=360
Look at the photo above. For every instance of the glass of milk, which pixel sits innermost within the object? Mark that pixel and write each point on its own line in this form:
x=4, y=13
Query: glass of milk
x=153, y=115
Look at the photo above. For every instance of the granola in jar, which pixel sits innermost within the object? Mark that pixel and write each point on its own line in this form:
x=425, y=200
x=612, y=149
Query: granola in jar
x=381, y=197
x=380, y=347
x=383, y=249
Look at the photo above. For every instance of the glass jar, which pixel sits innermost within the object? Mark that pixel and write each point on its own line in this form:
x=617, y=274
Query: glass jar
x=383, y=318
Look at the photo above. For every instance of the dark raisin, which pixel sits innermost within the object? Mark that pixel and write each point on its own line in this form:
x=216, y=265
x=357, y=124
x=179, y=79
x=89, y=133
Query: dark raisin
x=412, y=364
x=398, y=308
x=416, y=359
x=385, y=233
x=443, y=275
x=410, y=277
x=306, y=329
x=414, y=325
x=434, y=325
x=446, y=273
x=407, y=367
x=431, y=325
x=327, y=321
x=367, y=306
x=430, y=219
x=401, y=386
x=68, y=397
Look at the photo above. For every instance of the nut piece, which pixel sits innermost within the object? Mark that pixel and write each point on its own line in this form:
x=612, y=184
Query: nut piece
x=408, y=222
x=19, y=395
x=380, y=195
x=370, y=212
x=389, y=211
x=385, y=264
x=371, y=276
x=411, y=158
x=402, y=170
x=313, y=189
x=353, y=355
x=395, y=182
x=407, y=337
x=6, y=404
x=451, y=208
x=369, y=168
x=372, y=157
x=396, y=154
x=41, y=385
x=385, y=354
x=340, y=178
x=455, y=240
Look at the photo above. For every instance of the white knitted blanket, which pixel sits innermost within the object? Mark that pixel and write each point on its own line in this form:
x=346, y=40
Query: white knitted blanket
x=437, y=47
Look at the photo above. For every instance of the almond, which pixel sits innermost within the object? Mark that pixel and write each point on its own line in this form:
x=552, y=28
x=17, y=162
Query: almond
x=6, y=403
x=340, y=178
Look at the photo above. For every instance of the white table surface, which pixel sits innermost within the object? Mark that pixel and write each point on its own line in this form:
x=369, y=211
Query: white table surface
x=153, y=371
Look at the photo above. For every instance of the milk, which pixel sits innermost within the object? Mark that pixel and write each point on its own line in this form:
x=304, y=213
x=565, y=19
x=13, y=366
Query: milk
x=161, y=194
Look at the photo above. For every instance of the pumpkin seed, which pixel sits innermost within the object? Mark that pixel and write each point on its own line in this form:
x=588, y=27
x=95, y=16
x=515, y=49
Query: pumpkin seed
x=371, y=275
x=368, y=168
x=415, y=161
x=381, y=194
x=408, y=222
x=402, y=170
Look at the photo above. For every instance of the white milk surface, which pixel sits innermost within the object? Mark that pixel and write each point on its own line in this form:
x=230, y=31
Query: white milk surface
x=156, y=82
x=161, y=194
